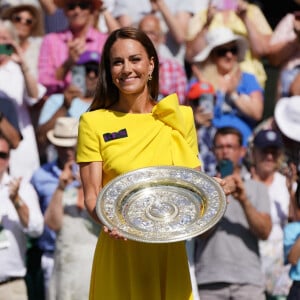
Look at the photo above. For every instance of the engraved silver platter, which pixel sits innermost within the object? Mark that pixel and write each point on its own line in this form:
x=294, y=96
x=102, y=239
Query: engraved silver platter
x=161, y=204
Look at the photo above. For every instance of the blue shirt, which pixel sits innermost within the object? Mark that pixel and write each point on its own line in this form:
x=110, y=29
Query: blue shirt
x=291, y=234
x=55, y=101
x=45, y=181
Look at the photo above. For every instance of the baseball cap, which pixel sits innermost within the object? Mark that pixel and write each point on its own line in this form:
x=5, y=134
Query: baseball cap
x=267, y=138
x=89, y=57
x=198, y=89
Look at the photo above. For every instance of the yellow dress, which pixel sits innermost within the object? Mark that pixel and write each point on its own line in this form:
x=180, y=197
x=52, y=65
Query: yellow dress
x=130, y=270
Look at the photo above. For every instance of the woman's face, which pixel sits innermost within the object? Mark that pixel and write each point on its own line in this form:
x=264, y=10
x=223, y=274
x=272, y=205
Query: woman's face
x=225, y=57
x=130, y=66
x=24, y=22
x=78, y=13
x=266, y=160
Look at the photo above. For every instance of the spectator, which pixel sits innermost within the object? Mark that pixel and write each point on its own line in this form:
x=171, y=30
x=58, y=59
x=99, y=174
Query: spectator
x=172, y=77
x=30, y=29
x=104, y=17
x=243, y=18
x=54, y=18
x=9, y=123
x=60, y=51
x=20, y=217
x=287, y=120
x=201, y=97
x=239, y=97
x=25, y=91
x=227, y=258
x=76, y=237
x=174, y=15
x=291, y=252
x=46, y=180
x=284, y=51
x=267, y=157
x=75, y=100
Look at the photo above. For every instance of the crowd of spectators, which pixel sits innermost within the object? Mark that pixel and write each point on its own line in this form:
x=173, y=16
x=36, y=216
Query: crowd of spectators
x=213, y=55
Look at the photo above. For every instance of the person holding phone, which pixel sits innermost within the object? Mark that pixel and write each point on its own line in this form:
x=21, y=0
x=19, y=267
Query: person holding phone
x=27, y=20
x=25, y=92
x=227, y=262
x=74, y=101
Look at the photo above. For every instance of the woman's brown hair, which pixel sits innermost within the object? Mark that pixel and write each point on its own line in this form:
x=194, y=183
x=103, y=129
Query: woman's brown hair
x=106, y=92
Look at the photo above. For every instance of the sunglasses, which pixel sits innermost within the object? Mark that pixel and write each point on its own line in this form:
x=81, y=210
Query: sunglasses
x=92, y=68
x=81, y=5
x=18, y=19
x=223, y=51
x=4, y=155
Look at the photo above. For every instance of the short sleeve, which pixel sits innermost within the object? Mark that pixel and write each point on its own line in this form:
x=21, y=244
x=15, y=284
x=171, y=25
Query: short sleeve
x=88, y=146
x=291, y=233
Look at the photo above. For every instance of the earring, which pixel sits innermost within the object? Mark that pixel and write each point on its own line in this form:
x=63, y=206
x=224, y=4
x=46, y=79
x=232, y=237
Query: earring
x=150, y=77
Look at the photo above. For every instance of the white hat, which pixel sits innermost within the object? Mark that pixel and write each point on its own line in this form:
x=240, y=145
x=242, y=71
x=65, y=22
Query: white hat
x=287, y=117
x=65, y=132
x=221, y=36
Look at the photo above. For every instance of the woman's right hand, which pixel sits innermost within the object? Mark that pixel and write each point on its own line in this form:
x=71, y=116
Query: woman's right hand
x=231, y=80
x=202, y=118
x=114, y=234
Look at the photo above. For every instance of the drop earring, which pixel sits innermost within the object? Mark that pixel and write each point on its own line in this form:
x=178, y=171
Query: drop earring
x=150, y=77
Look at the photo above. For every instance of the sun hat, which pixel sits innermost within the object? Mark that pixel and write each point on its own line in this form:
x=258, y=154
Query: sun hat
x=89, y=57
x=64, y=133
x=268, y=138
x=10, y=10
x=287, y=117
x=62, y=3
x=218, y=37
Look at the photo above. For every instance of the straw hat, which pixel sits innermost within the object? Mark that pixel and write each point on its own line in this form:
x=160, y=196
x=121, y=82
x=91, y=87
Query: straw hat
x=218, y=37
x=38, y=27
x=287, y=117
x=62, y=3
x=64, y=133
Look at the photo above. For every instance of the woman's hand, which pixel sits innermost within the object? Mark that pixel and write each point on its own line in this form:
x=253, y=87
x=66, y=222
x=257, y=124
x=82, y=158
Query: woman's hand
x=202, y=118
x=228, y=184
x=114, y=234
x=231, y=80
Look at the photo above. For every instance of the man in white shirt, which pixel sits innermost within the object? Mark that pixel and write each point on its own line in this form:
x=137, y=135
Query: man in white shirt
x=20, y=216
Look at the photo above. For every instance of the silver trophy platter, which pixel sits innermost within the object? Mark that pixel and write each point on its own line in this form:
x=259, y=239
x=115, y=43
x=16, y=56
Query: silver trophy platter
x=161, y=204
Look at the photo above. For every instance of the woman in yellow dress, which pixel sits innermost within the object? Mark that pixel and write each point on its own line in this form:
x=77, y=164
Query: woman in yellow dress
x=126, y=129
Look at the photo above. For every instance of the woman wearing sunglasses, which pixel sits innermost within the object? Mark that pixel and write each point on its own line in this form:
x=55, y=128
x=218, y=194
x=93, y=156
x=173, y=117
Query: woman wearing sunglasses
x=239, y=97
x=27, y=21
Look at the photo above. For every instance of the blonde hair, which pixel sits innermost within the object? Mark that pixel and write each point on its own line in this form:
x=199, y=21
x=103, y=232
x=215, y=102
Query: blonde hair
x=10, y=28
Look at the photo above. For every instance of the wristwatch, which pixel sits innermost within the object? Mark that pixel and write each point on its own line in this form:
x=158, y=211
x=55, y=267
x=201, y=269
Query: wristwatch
x=18, y=203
